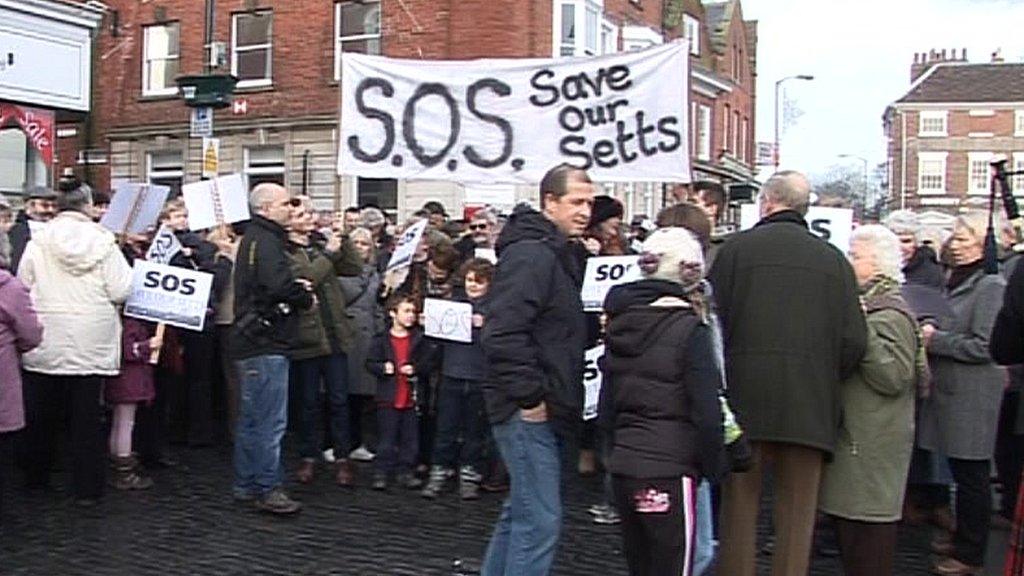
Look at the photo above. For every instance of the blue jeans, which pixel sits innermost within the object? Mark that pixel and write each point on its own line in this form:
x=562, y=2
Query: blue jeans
x=262, y=419
x=526, y=536
x=704, y=542
x=460, y=414
x=334, y=371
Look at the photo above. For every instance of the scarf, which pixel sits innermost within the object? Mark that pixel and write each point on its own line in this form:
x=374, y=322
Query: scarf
x=883, y=293
x=960, y=274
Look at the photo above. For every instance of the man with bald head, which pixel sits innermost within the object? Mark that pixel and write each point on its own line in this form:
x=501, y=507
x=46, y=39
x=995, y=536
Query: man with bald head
x=794, y=330
x=268, y=298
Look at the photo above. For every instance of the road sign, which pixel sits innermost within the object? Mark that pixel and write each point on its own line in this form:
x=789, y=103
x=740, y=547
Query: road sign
x=239, y=106
x=202, y=122
x=211, y=157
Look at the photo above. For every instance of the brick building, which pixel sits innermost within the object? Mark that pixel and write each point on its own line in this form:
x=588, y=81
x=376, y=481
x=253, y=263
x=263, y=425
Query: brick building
x=944, y=131
x=286, y=55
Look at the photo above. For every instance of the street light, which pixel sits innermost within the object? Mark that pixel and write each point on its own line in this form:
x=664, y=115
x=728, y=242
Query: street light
x=865, y=161
x=777, y=84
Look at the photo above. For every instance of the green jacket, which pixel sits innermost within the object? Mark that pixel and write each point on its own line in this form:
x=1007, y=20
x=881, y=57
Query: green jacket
x=867, y=477
x=325, y=328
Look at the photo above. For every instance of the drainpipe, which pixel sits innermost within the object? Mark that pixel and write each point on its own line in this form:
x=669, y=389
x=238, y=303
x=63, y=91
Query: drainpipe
x=305, y=171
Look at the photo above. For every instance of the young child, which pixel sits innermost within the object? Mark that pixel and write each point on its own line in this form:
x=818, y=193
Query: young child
x=460, y=405
x=393, y=360
x=134, y=385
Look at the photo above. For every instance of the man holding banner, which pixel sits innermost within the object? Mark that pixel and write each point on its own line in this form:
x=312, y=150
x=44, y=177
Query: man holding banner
x=534, y=340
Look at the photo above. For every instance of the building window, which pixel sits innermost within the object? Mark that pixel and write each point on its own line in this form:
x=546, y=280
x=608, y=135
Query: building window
x=639, y=38
x=691, y=28
x=978, y=172
x=736, y=133
x=931, y=170
x=160, y=61
x=21, y=164
x=380, y=192
x=357, y=26
x=933, y=123
x=743, y=140
x=609, y=37
x=703, y=132
x=1018, y=123
x=252, y=48
x=578, y=26
x=1017, y=183
x=166, y=169
x=725, y=127
x=263, y=164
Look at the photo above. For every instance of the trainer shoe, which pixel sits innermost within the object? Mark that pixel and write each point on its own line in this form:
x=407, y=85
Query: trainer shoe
x=361, y=454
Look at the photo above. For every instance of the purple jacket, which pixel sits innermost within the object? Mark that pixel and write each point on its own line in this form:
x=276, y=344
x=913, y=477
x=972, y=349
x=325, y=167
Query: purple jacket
x=20, y=331
x=135, y=382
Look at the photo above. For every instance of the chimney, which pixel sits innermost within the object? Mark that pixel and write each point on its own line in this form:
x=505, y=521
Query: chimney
x=925, y=60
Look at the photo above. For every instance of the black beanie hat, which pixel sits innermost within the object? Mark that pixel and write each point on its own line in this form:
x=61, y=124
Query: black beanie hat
x=605, y=208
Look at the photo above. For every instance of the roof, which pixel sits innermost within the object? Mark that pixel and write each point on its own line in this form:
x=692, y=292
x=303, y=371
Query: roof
x=719, y=15
x=960, y=82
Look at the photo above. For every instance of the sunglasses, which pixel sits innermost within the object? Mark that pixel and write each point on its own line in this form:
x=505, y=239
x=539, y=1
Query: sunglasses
x=478, y=226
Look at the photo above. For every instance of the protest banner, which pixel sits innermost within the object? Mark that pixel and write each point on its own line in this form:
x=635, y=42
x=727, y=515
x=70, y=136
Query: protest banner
x=592, y=380
x=448, y=320
x=622, y=117
x=215, y=202
x=163, y=247
x=135, y=207
x=832, y=224
x=405, y=249
x=165, y=294
x=602, y=273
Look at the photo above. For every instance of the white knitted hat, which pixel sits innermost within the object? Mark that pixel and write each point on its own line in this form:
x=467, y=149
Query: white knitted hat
x=672, y=254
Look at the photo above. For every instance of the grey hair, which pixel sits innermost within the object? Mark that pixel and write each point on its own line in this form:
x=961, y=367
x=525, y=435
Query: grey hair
x=788, y=188
x=488, y=214
x=372, y=217
x=5, y=252
x=366, y=235
x=976, y=222
x=885, y=246
x=903, y=222
x=261, y=194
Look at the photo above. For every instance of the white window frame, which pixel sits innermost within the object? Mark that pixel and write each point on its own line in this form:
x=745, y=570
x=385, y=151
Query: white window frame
x=275, y=170
x=609, y=37
x=581, y=10
x=704, y=122
x=726, y=119
x=153, y=173
x=146, y=90
x=743, y=139
x=691, y=30
x=268, y=46
x=982, y=158
x=1018, y=123
x=736, y=118
x=926, y=115
x=639, y=38
x=923, y=157
x=1017, y=182
x=339, y=40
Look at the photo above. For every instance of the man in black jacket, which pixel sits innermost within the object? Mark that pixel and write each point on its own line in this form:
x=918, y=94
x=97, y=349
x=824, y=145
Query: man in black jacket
x=793, y=330
x=40, y=208
x=533, y=340
x=267, y=300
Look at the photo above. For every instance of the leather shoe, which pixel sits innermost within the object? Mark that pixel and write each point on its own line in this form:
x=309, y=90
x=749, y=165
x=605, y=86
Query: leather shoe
x=345, y=475
x=954, y=567
x=305, y=472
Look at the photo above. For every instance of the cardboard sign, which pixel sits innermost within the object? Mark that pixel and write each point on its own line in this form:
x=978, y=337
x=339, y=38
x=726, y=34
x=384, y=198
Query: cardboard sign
x=448, y=320
x=602, y=273
x=164, y=246
x=135, y=207
x=175, y=296
x=621, y=117
x=214, y=202
x=405, y=249
x=832, y=224
x=592, y=379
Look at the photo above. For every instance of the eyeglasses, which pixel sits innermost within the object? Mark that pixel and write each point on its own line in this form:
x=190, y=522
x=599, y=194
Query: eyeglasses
x=478, y=226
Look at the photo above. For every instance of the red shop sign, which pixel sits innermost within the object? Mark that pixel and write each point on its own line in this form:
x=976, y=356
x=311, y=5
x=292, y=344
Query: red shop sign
x=38, y=126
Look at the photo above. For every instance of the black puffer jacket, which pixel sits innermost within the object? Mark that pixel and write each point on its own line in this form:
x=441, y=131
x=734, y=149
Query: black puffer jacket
x=661, y=385
x=534, y=334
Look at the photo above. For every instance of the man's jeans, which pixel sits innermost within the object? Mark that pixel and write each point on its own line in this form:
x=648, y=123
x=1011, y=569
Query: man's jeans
x=526, y=537
x=333, y=369
x=262, y=418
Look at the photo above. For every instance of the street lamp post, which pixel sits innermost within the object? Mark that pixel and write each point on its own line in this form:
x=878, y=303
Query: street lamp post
x=865, y=162
x=778, y=83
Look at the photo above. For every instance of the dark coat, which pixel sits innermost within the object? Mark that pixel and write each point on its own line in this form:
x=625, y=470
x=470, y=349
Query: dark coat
x=1007, y=342
x=19, y=235
x=204, y=258
x=534, y=335
x=267, y=297
x=421, y=356
x=924, y=269
x=661, y=386
x=135, y=382
x=793, y=330
x=462, y=360
x=325, y=328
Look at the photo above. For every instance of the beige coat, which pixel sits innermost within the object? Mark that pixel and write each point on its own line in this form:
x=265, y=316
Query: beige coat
x=77, y=276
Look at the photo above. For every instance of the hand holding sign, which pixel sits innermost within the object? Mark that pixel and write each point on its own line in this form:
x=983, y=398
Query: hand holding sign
x=176, y=296
x=135, y=208
x=216, y=202
x=406, y=247
x=164, y=246
x=448, y=320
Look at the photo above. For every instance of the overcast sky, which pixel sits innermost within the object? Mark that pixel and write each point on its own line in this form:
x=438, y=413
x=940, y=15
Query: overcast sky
x=860, y=54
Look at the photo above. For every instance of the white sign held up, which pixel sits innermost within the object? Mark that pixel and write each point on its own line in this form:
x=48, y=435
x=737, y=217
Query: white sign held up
x=134, y=208
x=405, y=249
x=592, y=381
x=832, y=224
x=214, y=202
x=448, y=320
x=622, y=117
x=175, y=296
x=164, y=246
x=604, y=272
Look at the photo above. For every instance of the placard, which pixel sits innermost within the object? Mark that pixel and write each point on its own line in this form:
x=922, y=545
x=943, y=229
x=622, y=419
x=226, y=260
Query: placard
x=135, y=207
x=592, y=379
x=214, y=202
x=164, y=247
x=622, y=117
x=175, y=296
x=602, y=273
x=832, y=224
x=405, y=249
x=448, y=320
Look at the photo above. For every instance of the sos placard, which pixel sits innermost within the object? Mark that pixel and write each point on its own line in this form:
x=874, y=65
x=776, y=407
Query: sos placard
x=592, y=381
x=602, y=273
x=169, y=295
x=834, y=225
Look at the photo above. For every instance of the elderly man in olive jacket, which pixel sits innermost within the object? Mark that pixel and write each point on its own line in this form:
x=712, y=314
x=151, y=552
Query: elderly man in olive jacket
x=793, y=329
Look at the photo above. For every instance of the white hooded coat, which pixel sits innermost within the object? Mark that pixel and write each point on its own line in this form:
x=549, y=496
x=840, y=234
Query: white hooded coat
x=77, y=276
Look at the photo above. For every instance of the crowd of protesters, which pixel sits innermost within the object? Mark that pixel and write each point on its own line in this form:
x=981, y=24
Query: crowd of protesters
x=871, y=386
